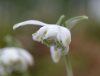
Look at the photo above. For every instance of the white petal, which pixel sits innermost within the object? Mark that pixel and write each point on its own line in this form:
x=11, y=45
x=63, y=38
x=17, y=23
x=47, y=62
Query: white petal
x=51, y=32
x=9, y=56
x=55, y=53
x=16, y=58
x=36, y=37
x=64, y=36
x=26, y=56
x=40, y=33
x=29, y=22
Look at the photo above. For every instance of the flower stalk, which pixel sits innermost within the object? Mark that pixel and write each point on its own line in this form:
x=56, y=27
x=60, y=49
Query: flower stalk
x=68, y=65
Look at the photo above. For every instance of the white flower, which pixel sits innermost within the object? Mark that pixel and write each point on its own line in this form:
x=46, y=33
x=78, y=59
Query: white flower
x=56, y=37
x=17, y=59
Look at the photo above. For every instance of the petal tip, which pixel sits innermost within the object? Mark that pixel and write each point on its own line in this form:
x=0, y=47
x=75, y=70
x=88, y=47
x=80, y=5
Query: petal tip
x=85, y=17
x=29, y=22
x=15, y=26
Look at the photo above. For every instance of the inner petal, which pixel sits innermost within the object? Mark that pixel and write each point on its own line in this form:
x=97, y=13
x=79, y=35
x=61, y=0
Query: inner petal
x=55, y=53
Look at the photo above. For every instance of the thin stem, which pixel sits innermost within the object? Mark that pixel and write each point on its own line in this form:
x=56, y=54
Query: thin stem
x=60, y=19
x=68, y=65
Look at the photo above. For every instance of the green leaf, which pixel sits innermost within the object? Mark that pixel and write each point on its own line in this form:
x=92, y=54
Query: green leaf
x=70, y=23
x=60, y=20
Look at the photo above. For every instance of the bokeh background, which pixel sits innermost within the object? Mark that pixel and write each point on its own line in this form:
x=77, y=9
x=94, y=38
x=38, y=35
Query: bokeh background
x=85, y=45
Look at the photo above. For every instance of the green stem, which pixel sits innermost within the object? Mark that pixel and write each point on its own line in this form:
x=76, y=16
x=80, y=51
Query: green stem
x=68, y=65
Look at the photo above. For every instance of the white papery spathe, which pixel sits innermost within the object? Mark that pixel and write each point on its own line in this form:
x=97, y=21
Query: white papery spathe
x=17, y=59
x=55, y=36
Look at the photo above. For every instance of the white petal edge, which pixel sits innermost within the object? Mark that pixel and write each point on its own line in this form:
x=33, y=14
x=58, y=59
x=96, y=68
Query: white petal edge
x=39, y=34
x=29, y=22
x=26, y=56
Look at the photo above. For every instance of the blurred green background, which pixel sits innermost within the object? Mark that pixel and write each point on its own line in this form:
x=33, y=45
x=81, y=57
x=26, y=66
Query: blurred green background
x=85, y=45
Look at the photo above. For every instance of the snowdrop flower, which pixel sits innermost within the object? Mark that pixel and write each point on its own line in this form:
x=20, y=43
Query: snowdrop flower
x=17, y=59
x=54, y=36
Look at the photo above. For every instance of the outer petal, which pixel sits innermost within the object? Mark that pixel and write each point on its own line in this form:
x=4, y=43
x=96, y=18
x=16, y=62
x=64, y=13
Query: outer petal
x=16, y=58
x=29, y=22
x=55, y=53
x=27, y=57
x=40, y=33
x=64, y=36
x=51, y=32
x=9, y=56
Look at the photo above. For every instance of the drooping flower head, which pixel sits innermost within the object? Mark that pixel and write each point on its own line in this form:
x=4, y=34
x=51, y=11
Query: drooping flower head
x=15, y=59
x=54, y=36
